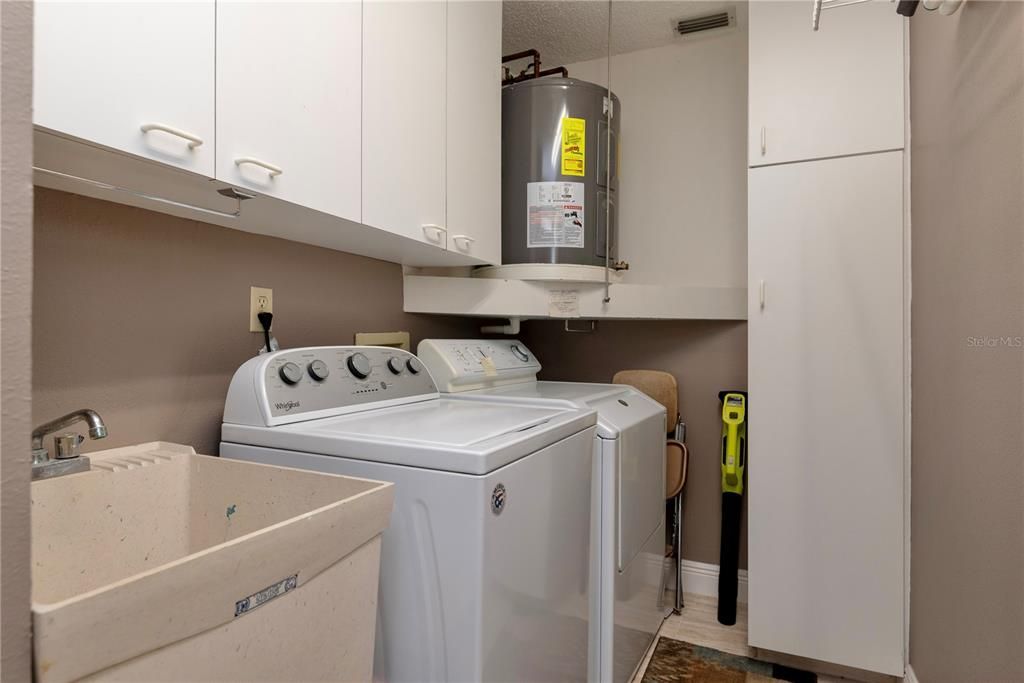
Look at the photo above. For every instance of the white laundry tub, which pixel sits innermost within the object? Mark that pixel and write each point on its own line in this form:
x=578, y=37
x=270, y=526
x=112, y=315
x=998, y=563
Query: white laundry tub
x=163, y=565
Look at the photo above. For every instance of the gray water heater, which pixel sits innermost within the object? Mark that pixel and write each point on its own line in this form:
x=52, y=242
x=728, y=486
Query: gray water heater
x=554, y=166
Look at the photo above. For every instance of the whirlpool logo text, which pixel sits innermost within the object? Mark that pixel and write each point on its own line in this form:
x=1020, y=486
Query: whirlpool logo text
x=286, y=406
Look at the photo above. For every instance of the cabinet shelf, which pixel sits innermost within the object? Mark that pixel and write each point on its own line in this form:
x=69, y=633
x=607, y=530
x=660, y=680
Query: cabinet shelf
x=532, y=299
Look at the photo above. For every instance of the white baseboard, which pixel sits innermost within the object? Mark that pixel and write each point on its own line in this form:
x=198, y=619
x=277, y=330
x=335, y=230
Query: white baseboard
x=909, y=676
x=699, y=578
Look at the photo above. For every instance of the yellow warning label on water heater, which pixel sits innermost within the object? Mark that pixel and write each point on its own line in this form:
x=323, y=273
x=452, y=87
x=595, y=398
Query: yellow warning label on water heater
x=574, y=146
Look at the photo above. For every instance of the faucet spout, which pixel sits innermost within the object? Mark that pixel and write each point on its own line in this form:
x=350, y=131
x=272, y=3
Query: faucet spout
x=97, y=429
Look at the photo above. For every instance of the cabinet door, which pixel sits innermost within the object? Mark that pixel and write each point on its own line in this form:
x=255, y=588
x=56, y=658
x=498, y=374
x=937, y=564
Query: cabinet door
x=826, y=420
x=288, y=101
x=473, y=165
x=403, y=118
x=817, y=94
x=134, y=76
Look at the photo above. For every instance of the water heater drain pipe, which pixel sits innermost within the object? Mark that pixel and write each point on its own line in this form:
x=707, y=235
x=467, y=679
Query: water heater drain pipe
x=511, y=328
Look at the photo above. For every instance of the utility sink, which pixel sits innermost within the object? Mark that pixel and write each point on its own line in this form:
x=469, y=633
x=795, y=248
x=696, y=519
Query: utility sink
x=161, y=564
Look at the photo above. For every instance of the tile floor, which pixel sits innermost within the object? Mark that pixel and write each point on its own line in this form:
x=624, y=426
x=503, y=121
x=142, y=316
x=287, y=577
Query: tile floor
x=698, y=624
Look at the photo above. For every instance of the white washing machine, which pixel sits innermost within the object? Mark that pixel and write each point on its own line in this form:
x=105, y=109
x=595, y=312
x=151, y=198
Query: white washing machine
x=628, y=499
x=484, y=569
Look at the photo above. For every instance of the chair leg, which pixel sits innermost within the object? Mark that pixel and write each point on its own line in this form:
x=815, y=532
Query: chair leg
x=662, y=586
x=677, y=543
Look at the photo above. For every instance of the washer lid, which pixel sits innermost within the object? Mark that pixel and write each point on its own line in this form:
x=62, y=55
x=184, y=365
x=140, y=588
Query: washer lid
x=443, y=423
x=474, y=437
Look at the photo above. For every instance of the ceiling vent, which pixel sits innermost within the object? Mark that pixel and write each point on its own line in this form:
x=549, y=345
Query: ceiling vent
x=706, y=22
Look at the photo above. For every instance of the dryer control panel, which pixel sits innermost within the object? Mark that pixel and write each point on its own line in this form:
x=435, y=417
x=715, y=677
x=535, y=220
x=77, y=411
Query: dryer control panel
x=303, y=384
x=468, y=364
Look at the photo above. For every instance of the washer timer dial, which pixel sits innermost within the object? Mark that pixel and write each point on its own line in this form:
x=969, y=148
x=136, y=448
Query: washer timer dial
x=290, y=373
x=359, y=365
x=318, y=370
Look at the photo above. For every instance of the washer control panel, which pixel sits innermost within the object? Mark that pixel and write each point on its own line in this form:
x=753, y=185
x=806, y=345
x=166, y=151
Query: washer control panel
x=467, y=364
x=301, y=384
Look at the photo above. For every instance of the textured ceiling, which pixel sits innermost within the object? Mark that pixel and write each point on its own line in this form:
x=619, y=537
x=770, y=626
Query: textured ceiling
x=567, y=31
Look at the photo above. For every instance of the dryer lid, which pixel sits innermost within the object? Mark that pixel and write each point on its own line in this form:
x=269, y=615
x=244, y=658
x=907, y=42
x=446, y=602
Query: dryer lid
x=619, y=407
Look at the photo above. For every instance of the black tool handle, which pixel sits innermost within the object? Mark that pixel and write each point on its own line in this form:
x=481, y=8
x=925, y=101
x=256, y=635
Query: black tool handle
x=732, y=511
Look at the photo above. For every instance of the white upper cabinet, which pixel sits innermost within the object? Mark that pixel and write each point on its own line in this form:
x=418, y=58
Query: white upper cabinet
x=403, y=160
x=474, y=129
x=827, y=93
x=379, y=121
x=288, y=101
x=137, y=77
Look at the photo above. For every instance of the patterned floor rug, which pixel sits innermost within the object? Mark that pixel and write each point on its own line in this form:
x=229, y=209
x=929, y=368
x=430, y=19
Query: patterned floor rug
x=675, y=661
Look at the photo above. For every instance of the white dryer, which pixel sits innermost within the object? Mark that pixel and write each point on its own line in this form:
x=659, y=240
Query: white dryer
x=484, y=567
x=628, y=495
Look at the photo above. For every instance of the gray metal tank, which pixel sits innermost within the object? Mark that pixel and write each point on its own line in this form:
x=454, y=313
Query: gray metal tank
x=553, y=189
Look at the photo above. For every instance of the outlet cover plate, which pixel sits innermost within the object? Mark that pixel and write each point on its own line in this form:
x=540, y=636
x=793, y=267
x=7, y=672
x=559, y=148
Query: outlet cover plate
x=260, y=299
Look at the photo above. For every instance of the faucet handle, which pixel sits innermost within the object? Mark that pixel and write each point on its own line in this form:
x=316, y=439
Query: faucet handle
x=66, y=445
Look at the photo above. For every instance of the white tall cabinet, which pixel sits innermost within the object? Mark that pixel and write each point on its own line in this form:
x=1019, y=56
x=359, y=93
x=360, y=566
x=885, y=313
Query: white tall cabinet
x=827, y=381
x=133, y=76
x=827, y=331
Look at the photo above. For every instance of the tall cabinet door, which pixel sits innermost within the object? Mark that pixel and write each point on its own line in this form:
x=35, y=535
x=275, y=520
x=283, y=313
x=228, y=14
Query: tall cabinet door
x=473, y=163
x=826, y=419
x=816, y=94
x=288, y=101
x=404, y=118
x=134, y=76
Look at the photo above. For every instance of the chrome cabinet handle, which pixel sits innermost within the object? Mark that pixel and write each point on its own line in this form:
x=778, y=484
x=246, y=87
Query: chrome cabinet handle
x=193, y=140
x=764, y=140
x=271, y=168
x=466, y=240
x=763, y=294
x=434, y=232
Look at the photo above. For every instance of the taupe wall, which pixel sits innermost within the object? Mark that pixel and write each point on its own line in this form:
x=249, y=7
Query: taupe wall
x=967, y=547
x=15, y=337
x=144, y=317
x=705, y=357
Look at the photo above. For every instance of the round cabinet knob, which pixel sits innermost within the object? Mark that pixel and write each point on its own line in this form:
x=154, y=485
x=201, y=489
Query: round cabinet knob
x=318, y=370
x=518, y=352
x=290, y=373
x=414, y=365
x=359, y=365
x=395, y=365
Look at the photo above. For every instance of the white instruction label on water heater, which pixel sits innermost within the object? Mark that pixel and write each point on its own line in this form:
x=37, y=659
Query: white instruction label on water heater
x=554, y=214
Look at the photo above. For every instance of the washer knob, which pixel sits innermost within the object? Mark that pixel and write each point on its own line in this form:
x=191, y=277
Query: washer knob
x=318, y=370
x=518, y=352
x=395, y=365
x=359, y=365
x=290, y=373
x=414, y=365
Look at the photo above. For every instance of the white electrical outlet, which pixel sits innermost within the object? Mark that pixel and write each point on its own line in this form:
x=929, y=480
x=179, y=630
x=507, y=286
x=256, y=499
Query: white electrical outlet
x=260, y=299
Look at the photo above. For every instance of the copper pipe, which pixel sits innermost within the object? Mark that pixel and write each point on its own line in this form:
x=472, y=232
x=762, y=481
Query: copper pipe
x=529, y=77
x=522, y=55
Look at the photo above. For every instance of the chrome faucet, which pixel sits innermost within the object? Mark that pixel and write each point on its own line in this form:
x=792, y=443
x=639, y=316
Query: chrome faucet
x=67, y=460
